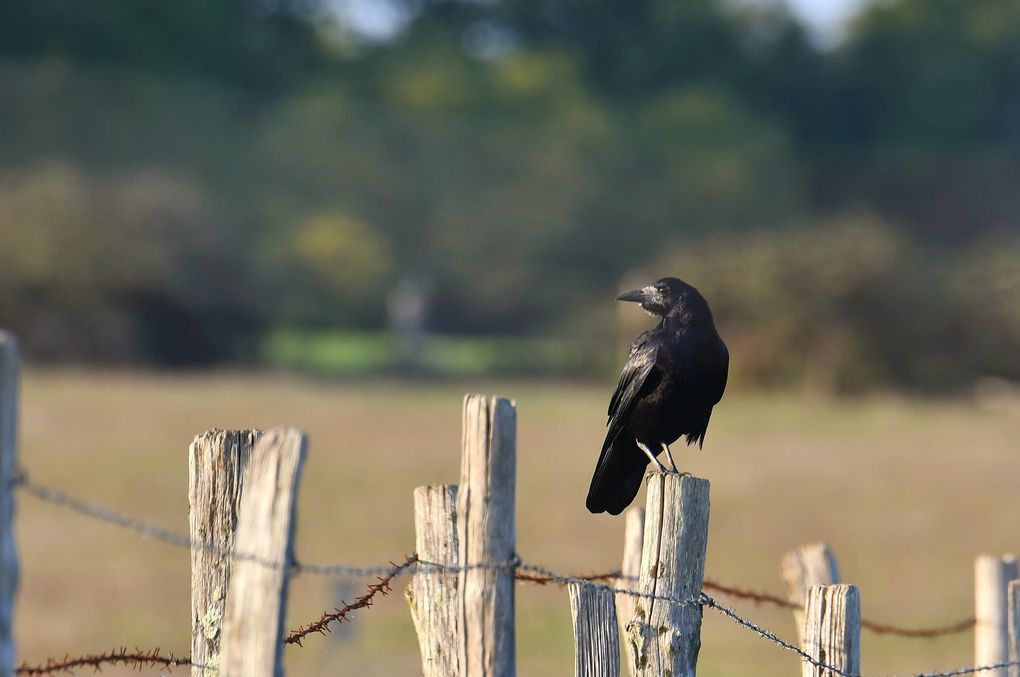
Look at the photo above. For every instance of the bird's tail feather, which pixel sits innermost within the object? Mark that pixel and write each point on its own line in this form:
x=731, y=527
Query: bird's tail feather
x=618, y=477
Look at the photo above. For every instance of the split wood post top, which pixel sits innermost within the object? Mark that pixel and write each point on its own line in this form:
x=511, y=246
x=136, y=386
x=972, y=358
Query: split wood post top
x=216, y=463
x=9, y=573
x=832, y=630
x=992, y=574
x=486, y=535
x=1014, y=627
x=801, y=568
x=666, y=636
x=596, y=639
x=630, y=571
x=432, y=594
x=253, y=628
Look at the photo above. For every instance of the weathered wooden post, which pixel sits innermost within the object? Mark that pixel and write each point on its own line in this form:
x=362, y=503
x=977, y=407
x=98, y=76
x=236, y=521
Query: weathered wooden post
x=596, y=639
x=216, y=463
x=486, y=537
x=832, y=630
x=992, y=574
x=666, y=636
x=804, y=567
x=630, y=571
x=1014, y=627
x=253, y=628
x=9, y=573
x=432, y=593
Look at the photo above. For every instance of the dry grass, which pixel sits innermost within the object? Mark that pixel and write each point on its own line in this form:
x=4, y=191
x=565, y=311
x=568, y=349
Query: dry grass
x=907, y=492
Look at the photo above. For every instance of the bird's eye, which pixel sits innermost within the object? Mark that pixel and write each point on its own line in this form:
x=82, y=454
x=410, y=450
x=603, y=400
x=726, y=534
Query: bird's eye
x=662, y=289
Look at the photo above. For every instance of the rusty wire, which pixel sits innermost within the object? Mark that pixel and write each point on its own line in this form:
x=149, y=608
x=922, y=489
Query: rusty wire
x=919, y=633
x=340, y=614
x=136, y=660
x=768, y=598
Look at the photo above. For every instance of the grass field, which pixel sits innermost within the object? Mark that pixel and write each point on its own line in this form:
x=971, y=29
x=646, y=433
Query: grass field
x=907, y=492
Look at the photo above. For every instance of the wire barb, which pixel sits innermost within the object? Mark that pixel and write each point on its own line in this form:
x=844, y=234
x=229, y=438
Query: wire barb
x=341, y=614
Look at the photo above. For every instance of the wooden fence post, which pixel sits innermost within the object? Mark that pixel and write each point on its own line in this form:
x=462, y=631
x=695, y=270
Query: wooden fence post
x=665, y=636
x=432, y=594
x=596, y=638
x=9, y=573
x=630, y=571
x=1014, y=627
x=832, y=629
x=216, y=463
x=253, y=628
x=992, y=574
x=804, y=567
x=486, y=535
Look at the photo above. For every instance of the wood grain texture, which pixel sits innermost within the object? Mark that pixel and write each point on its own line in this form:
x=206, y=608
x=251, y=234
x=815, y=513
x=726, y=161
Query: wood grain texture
x=665, y=637
x=486, y=533
x=832, y=629
x=9, y=571
x=596, y=638
x=992, y=574
x=433, y=596
x=216, y=463
x=630, y=570
x=252, y=643
x=1014, y=626
x=809, y=565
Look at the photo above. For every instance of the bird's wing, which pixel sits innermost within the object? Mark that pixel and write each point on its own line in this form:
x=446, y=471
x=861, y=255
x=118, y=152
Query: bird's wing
x=638, y=374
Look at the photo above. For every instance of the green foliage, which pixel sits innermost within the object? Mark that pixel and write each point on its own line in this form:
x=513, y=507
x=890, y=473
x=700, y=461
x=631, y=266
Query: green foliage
x=361, y=353
x=180, y=177
x=117, y=268
x=850, y=304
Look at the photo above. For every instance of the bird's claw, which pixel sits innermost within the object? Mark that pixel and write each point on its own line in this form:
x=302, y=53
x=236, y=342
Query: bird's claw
x=651, y=457
x=669, y=455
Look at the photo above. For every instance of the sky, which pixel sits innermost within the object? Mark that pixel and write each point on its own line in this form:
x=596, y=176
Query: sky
x=825, y=18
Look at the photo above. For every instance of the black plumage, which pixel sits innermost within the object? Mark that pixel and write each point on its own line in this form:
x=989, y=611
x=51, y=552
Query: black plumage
x=675, y=374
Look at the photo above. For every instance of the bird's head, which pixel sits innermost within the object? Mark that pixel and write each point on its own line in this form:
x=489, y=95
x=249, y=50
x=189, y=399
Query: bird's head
x=668, y=296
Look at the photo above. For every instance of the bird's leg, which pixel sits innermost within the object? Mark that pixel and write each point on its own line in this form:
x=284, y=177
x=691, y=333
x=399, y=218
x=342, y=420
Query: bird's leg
x=669, y=455
x=651, y=457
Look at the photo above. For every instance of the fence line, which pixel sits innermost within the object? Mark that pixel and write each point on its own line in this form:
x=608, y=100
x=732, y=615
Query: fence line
x=154, y=657
x=531, y=573
x=525, y=573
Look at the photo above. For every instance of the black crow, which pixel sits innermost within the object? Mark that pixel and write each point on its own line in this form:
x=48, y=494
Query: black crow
x=675, y=374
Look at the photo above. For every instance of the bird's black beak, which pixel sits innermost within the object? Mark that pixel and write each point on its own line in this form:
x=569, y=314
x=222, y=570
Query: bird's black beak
x=636, y=296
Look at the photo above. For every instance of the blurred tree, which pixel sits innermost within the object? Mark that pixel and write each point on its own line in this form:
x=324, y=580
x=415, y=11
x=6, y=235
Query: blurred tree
x=931, y=107
x=987, y=288
x=256, y=44
x=178, y=176
x=824, y=307
x=118, y=269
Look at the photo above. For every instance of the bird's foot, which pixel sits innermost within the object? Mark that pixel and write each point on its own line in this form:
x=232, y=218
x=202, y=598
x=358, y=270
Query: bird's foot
x=651, y=457
x=669, y=455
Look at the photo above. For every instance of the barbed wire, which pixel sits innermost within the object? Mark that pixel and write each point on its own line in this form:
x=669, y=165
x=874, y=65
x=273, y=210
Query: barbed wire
x=804, y=656
x=339, y=615
x=136, y=660
x=969, y=670
x=153, y=657
x=154, y=532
